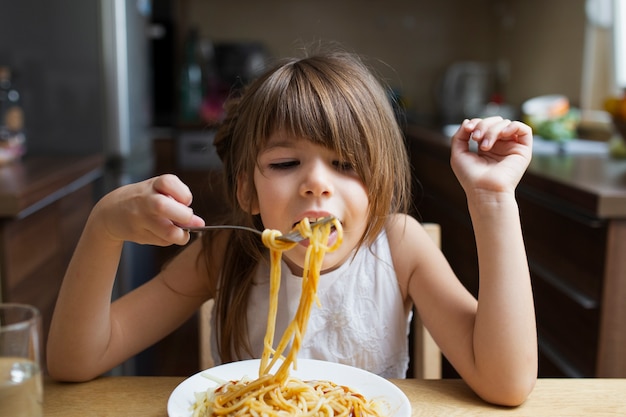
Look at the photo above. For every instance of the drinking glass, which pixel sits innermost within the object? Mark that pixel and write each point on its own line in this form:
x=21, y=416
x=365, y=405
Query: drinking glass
x=21, y=386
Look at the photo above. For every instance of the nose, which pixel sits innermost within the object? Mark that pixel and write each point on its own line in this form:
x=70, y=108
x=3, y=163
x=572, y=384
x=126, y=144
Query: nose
x=317, y=180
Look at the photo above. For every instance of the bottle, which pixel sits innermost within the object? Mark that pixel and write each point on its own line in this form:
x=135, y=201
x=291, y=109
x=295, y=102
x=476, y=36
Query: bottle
x=12, y=138
x=191, y=80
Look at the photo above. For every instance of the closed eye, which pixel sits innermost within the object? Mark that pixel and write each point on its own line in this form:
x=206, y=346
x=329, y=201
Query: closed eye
x=284, y=165
x=343, y=166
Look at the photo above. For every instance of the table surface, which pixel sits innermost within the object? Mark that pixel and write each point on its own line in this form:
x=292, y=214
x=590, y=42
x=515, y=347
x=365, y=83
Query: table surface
x=147, y=396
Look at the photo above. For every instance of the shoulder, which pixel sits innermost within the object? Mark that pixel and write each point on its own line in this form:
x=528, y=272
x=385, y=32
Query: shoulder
x=404, y=229
x=411, y=247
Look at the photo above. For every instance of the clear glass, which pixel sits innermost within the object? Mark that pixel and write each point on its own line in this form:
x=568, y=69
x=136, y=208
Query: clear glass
x=21, y=385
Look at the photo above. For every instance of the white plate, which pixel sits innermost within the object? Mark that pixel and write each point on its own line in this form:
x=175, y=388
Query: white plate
x=371, y=386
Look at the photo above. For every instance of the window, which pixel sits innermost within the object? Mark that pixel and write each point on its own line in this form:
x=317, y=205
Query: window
x=619, y=42
x=604, y=66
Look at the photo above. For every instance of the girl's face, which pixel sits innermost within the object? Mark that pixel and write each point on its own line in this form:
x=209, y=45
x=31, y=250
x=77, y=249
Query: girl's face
x=297, y=179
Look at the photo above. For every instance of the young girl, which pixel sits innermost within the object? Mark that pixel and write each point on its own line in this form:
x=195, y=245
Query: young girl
x=315, y=137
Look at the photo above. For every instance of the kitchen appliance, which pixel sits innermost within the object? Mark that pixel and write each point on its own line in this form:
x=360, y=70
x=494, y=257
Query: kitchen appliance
x=84, y=71
x=465, y=90
x=229, y=66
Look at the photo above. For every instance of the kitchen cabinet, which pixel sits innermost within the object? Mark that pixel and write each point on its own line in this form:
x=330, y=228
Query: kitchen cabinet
x=573, y=213
x=44, y=204
x=205, y=183
x=179, y=353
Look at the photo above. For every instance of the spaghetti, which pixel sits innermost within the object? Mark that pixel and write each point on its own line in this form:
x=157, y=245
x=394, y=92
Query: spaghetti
x=279, y=394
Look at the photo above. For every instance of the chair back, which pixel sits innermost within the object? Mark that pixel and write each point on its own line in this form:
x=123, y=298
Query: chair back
x=426, y=356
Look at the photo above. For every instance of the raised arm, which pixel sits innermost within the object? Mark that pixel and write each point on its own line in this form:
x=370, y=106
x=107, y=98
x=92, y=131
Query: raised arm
x=491, y=341
x=89, y=335
x=505, y=334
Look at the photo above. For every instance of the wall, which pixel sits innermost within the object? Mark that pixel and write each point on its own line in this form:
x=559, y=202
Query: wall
x=538, y=43
x=414, y=41
x=542, y=40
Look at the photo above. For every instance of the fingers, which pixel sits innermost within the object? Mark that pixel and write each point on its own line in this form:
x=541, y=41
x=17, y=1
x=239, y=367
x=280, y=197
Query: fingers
x=148, y=212
x=170, y=207
x=486, y=132
x=170, y=185
x=151, y=211
x=521, y=132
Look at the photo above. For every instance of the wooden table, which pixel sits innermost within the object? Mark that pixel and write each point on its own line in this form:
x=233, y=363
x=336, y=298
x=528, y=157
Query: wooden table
x=147, y=396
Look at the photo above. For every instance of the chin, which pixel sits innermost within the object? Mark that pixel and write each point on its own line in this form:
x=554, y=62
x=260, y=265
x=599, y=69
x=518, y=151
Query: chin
x=295, y=260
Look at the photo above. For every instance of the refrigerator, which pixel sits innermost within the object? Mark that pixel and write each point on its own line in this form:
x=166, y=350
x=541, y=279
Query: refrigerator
x=82, y=68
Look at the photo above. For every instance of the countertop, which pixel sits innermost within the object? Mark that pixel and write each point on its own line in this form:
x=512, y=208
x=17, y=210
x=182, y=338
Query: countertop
x=593, y=183
x=27, y=184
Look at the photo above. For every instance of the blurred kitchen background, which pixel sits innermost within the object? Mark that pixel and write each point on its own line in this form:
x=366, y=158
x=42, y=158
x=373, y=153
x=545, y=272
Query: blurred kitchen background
x=141, y=82
x=84, y=67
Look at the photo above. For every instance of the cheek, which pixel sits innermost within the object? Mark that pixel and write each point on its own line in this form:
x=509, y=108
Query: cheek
x=273, y=198
x=270, y=194
x=358, y=202
x=360, y=196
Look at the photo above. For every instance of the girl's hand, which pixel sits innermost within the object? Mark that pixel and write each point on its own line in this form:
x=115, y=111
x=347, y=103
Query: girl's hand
x=504, y=152
x=148, y=212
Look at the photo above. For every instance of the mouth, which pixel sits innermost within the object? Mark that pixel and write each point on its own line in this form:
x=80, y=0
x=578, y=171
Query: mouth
x=312, y=220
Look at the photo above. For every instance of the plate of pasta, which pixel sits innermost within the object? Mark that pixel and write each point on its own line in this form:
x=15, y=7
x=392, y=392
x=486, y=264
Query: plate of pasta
x=382, y=398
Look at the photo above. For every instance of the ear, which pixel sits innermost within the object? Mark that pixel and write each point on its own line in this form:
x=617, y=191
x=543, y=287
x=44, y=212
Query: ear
x=246, y=196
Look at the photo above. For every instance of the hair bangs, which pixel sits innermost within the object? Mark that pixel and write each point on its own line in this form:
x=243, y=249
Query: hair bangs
x=307, y=105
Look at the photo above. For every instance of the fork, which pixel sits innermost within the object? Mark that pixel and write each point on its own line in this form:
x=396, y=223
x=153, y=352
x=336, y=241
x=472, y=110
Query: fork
x=292, y=237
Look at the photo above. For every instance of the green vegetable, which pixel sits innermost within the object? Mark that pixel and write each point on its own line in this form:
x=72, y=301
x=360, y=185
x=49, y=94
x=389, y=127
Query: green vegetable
x=560, y=129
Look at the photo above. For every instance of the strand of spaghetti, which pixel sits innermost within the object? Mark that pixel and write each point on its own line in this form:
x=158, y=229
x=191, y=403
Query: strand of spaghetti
x=276, y=249
x=304, y=228
x=292, y=327
x=313, y=261
x=280, y=400
x=310, y=280
x=229, y=394
x=292, y=333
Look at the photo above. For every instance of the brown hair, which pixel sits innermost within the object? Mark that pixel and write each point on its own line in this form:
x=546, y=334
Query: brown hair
x=331, y=99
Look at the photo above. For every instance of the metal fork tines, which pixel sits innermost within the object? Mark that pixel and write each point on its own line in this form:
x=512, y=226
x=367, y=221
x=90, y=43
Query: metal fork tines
x=293, y=236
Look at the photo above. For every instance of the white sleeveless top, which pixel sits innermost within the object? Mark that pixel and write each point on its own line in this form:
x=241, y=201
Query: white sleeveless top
x=362, y=320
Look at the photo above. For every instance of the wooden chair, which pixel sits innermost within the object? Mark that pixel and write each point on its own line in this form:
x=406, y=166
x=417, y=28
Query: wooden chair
x=204, y=328
x=426, y=356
